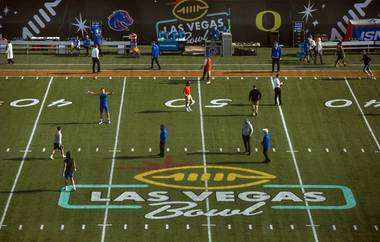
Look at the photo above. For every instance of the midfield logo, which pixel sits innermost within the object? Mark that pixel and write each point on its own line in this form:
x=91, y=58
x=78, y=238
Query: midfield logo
x=227, y=188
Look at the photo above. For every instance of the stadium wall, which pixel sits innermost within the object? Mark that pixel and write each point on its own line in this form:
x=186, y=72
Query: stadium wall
x=248, y=20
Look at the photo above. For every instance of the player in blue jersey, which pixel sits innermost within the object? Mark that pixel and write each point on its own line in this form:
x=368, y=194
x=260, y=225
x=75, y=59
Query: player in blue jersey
x=103, y=104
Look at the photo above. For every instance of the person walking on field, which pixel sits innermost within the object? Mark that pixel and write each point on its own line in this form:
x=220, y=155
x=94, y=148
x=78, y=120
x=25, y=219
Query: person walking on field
x=366, y=61
x=276, y=56
x=163, y=139
x=57, y=145
x=277, y=89
x=247, y=131
x=266, y=145
x=95, y=58
x=188, y=98
x=318, y=51
x=207, y=67
x=254, y=97
x=69, y=167
x=340, y=54
x=9, y=50
x=155, y=55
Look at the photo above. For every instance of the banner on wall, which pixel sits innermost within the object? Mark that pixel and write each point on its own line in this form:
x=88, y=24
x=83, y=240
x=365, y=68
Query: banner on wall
x=248, y=20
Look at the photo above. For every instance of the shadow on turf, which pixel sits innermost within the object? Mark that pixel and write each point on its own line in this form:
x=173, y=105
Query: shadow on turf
x=248, y=104
x=31, y=191
x=161, y=111
x=236, y=162
x=135, y=157
x=68, y=123
x=28, y=158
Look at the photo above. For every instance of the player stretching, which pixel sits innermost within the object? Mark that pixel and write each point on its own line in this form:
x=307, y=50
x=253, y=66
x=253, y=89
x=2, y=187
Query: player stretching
x=57, y=144
x=103, y=104
x=188, y=98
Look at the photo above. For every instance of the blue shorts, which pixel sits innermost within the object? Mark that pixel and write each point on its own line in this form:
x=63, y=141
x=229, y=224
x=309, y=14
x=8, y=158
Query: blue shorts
x=103, y=108
x=69, y=175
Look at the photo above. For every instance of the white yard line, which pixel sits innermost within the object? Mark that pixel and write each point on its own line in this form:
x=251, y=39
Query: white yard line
x=297, y=169
x=113, y=160
x=204, y=158
x=25, y=153
x=362, y=114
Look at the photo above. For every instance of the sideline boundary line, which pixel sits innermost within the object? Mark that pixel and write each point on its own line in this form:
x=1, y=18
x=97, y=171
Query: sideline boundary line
x=25, y=153
x=113, y=160
x=362, y=114
x=204, y=157
x=296, y=166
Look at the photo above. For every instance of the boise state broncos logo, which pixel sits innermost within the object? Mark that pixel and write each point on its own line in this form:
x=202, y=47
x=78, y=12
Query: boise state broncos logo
x=120, y=20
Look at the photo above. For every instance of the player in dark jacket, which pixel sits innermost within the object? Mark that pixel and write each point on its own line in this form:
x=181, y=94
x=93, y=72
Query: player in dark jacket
x=366, y=62
x=163, y=139
x=254, y=98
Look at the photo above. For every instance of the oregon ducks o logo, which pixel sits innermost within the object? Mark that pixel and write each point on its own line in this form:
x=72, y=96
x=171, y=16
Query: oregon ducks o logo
x=260, y=17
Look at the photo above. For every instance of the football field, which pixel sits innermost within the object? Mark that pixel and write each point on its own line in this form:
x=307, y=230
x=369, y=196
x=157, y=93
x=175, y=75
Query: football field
x=322, y=184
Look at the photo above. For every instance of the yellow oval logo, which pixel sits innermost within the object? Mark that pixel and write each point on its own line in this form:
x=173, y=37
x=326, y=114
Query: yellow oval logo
x=195, y=177
x=190, y=10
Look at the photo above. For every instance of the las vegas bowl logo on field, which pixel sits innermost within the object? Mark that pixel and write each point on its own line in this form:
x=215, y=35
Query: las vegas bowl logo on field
x=190, y=10
x=120, y=20
x=195, y=177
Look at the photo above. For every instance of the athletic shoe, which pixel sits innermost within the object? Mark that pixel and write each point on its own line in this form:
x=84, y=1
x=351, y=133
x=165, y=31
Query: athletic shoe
x=190, y=109
x=208, y=82
x=100, y=122
x=51, y=157
x=109, y=121
x=63, y=156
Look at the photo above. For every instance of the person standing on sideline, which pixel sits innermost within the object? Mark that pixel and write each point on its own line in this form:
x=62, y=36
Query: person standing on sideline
x=247, y=131
x=163, y=139
x=318, y=51
x=87, y=44
x=9, y=50
x=254, y=97
x=277, y=89
x=366, y=61
x=266, y=145
x=207, y=67
x=312, y=45
x=103, y=104
x=95, y=59
x=306, y=47
x=57, y=145
x=69, y=167
x=155, y=55
x=188, y=98
x=340, y=54
x=276, y=56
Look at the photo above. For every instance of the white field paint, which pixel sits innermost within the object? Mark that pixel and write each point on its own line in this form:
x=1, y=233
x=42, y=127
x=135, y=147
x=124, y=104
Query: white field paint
x=315, y=235
x=362, y=114
x=25, y=153
x=204, y=158
x=113, y=160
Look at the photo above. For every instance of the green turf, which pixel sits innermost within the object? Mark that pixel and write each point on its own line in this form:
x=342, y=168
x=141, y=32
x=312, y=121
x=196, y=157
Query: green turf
x=309, y=122
x=182, y=62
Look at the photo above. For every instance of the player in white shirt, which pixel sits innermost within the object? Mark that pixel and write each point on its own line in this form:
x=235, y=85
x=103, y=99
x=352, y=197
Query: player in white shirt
x=9, y=50
x=95, y=58
x=57, y=143
x=277, y=89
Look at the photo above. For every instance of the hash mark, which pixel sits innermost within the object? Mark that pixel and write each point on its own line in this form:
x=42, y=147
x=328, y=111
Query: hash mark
x=292, y=227
x=312, y=225
x=125, y=226
x=274, y=149
x=22, y=77
x=300, y=77
x=23, y=151
x=154, y=78
x=132, y=149
x=238, y=149
x=150, y=149
x=250, y=226
x=241, y=78
x=330, y=78
x=286, y=78
x=97, y=149
x=315, y=78
x=42, y=227
x=292, y=151
x=355, y=227
x=169, y=78
x=6, y=78
x=67, y=77
x=8, y=149
x=166, y=226
x=81, y=77
x=327, y=150
x=308, y=149
x=168, y=149
x=79, y=149
x=270, y=227
x=43, y=149
x=376, y=228
x=220, y=149
x=185, y=149
x=229, y=226
x=228, y=78
x=110, y=77
x=213, y=78
x=257, y=78
x=20, y=227
x=256, y=150
x=344, y=150
x=83, y=226
x=187, y=226
x=139, y=77
x=362, y=150
x=183, y=78
x=62, y=226
x=146, y=227
x=37, y=77
x=334, y=227
x=114, y=151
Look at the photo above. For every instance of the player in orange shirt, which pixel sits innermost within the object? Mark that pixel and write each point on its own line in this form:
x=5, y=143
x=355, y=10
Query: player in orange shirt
x=207, y=67
x=188, y=98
